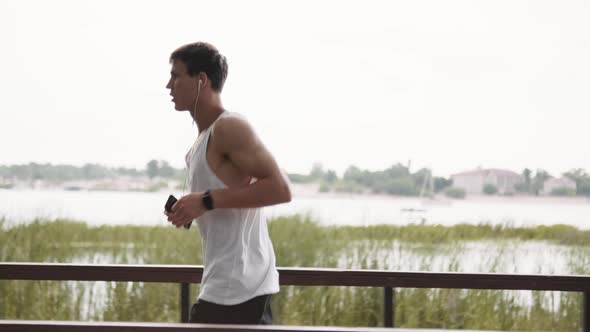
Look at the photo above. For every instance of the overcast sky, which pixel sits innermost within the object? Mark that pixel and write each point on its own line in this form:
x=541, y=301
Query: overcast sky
x=448, y=84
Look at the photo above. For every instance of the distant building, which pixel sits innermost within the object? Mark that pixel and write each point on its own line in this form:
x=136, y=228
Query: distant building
x=6, y=183
x=558, y=183
x=473, y=182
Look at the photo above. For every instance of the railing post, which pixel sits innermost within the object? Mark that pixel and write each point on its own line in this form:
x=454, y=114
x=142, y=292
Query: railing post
x=586, y=311
x=184, y=303
x=388, y=308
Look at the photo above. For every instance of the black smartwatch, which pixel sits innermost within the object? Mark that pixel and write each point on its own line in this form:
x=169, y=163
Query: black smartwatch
x=207, y=200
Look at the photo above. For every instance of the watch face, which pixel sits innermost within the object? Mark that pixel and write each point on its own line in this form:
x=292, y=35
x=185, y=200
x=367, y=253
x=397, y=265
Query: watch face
x=208, y=200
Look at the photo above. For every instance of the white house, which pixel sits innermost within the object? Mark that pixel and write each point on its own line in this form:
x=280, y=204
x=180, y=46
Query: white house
x=558, y=183
x=474, y=181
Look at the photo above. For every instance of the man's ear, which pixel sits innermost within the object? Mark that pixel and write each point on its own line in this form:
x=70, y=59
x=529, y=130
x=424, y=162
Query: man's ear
x=203, y=78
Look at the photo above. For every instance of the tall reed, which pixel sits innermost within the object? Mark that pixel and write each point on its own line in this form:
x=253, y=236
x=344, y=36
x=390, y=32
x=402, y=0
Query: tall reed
x=298, y=241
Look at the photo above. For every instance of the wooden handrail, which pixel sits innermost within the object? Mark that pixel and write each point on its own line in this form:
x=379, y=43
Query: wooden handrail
x=186, y=274
x=299, y=276
x=68, y=326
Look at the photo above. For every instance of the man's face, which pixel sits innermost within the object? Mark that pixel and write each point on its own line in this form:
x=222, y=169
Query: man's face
x=183, y=87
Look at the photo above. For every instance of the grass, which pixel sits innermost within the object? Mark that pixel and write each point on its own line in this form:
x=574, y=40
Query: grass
x=300, y=242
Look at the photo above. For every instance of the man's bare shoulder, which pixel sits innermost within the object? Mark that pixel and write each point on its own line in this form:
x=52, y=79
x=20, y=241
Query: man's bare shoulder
x=233, y=126
x=233, y=132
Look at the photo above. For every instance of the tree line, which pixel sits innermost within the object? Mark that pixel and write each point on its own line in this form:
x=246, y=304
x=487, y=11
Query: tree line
x=399, y=180
x=61, y=173
x=395, y=180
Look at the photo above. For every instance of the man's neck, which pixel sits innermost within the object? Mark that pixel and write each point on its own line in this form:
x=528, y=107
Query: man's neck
x=207, y=113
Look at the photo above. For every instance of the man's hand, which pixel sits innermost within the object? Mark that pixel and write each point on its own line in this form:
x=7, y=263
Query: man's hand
x=187, y=209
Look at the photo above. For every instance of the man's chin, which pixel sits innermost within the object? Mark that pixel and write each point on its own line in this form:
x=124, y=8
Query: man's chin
x=180, y=108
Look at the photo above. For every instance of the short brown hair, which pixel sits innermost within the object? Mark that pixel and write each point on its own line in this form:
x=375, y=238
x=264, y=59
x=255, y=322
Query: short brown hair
x=203, y=57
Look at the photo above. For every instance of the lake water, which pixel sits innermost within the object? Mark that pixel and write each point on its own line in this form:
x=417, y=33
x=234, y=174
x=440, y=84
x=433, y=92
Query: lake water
x=142, y=208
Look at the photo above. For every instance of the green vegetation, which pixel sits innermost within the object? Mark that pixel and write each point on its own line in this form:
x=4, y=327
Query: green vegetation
x=563, y=192
x=455, y=193
x=582, y=179
x=62, y=173
x=490, y=189
x=396, y=180
x=584, y=188
x=298, y=242
x=534, y=184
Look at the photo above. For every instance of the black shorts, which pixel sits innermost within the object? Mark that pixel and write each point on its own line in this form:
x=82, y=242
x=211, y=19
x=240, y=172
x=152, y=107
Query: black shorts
x=254, y=311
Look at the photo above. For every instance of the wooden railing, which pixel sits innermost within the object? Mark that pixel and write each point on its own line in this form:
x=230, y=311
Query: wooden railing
x=187, y=274
x=45, y=326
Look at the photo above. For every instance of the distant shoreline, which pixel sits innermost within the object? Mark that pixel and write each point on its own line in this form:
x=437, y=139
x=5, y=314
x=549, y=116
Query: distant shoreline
x=311, y=190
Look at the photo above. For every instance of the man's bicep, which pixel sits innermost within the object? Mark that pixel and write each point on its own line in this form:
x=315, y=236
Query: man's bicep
x=255, y=161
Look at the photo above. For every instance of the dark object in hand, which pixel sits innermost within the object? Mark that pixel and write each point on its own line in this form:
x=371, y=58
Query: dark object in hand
x=170, y=203
x=168, y=207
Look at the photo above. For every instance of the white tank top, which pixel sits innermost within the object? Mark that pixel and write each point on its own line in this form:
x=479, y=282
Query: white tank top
x=238, y=257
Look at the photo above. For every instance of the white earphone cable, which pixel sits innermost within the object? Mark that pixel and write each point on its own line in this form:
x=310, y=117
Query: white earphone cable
x=194, y=122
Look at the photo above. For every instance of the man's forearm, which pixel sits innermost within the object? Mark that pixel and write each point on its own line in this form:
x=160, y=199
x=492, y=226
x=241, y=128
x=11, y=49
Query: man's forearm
x=264, y=192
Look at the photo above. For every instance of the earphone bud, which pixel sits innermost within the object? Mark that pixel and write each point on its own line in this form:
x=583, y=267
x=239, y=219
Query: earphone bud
x=197, y=100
